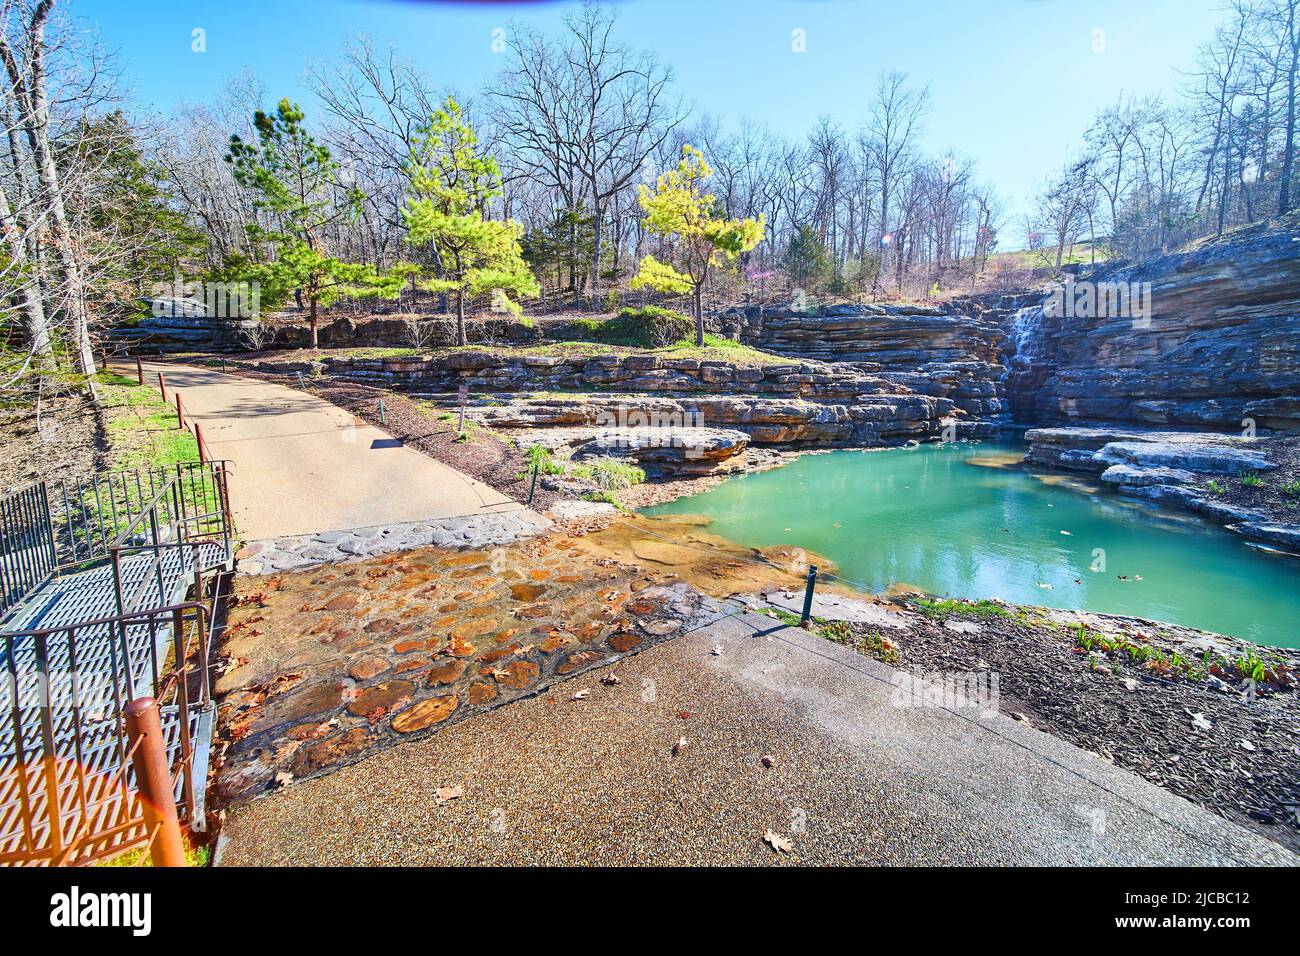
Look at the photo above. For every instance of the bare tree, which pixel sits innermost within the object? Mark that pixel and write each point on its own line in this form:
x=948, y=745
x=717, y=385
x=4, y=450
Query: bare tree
x=586, y=114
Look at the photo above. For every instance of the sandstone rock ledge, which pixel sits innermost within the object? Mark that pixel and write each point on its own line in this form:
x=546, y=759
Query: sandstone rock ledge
x=1171, y=468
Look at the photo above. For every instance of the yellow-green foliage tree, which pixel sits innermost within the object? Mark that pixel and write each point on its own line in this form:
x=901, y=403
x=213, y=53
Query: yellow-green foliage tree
x=679, y=209
x=451, y=187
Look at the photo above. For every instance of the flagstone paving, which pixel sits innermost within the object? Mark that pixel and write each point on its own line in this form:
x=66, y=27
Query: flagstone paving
x=324, y=667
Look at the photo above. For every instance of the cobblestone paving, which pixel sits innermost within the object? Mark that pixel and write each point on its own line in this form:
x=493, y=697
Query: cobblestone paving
x=320, y=668
x=302, y=552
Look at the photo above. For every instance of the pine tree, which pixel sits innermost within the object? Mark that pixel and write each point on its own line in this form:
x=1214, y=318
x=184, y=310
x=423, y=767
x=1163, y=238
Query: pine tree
x=296, y=181
x=682, y=211
x=451, y=185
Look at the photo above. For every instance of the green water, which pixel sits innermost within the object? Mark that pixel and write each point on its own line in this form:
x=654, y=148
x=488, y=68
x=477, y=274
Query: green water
x=927, y=517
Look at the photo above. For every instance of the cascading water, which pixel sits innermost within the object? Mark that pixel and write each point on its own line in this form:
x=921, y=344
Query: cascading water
x=1027, y=365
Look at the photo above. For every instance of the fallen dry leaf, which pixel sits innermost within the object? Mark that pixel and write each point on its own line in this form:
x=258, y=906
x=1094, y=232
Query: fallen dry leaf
x=717, y=650
x=778, y=843
x=443, y=794
x=768, y=760
x=680, y=746
x=283, y=779
x=609, y=680
x=580, y=695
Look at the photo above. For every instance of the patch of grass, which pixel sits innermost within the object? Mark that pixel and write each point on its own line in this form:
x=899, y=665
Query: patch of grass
x=788, y=618
x=1216, y=487
x=611, y=474
x=1152, y=659
x=195, y=856
x=1292, y=489
x=542, y=460
x=937, y=610
x=604, y=497
x=142, y=427
x=1251, y=480
x=647, y=328
x=378, y=352
x=717, y=348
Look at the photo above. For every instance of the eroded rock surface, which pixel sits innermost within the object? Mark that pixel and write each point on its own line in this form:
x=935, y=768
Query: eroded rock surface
x=322, y=667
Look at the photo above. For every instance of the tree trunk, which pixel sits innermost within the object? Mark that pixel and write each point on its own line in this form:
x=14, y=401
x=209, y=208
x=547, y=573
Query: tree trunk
x=1288, y=152
x=460, y=318
x=699, y=316
x=32, y=98
x=595, y=255
x=35, y=323
x=315, y=325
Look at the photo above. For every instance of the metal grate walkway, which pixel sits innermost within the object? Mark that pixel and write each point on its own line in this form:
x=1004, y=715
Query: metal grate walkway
x=82, y=639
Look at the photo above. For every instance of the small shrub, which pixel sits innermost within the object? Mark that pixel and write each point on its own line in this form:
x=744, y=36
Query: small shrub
x=608, y=473
x=543, y=460
x=646, y=328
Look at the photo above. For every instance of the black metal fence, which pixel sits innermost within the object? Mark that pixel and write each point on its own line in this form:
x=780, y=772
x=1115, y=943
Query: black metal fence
x=27, y=551
x=53, y=527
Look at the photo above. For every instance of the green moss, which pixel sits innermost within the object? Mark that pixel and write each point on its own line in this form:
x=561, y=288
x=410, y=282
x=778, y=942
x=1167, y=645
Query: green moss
x=195, y=856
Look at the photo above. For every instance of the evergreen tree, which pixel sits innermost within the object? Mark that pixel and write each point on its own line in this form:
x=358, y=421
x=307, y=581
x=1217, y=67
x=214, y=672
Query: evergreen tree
x=807, y=260
x=450, y=188
x=679, y=209
x=296, y=181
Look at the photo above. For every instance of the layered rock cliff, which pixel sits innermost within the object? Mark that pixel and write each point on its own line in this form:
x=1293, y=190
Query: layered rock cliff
x=958, y=352
x=1219, y=349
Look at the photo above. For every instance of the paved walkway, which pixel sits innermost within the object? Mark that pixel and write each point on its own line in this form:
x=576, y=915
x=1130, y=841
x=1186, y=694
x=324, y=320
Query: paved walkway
x=302, y=465
x=856, y=778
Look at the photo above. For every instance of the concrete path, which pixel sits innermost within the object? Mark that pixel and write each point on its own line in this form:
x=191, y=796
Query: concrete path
x=858, y=777
x=302, y=465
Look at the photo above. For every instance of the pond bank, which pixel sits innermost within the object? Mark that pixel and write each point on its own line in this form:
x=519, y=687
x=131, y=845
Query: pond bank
x=1140, y=695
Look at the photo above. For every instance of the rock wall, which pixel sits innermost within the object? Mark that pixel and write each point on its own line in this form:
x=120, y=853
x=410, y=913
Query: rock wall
x=807, y=402
x=1222, y=343
x=869, y=420
x=958, y=352
x=190, y=333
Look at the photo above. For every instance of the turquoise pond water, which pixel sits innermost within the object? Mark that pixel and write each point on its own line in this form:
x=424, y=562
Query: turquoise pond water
x=931, y=518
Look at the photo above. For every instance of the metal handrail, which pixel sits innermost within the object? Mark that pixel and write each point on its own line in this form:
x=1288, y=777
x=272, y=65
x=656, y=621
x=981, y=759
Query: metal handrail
x=107, y=821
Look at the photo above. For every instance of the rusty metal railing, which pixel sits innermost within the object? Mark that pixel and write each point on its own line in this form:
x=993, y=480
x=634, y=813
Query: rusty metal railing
x=69, y=766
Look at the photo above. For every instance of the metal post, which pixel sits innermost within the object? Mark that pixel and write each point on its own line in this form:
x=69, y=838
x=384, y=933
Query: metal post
x=139, y=370
x=180, y=414
x=382, y=419
x=162, y=384
x=532, y=490
x=198, y=436
x=103, y=360
x=154, y=782
x=301, y=381
x=808, y=595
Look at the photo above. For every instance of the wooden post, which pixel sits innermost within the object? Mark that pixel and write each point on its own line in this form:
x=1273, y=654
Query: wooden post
x=154, y=782
x=139, y=370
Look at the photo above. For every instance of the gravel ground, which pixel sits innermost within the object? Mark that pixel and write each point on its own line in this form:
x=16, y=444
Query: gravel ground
x=1244, y=767
x=1271, y=497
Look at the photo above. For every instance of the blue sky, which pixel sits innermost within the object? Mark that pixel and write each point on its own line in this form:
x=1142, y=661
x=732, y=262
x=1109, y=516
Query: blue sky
x=1013, y=82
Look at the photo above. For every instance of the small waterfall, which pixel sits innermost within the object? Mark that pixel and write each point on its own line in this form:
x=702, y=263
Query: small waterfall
x=1027, y=365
